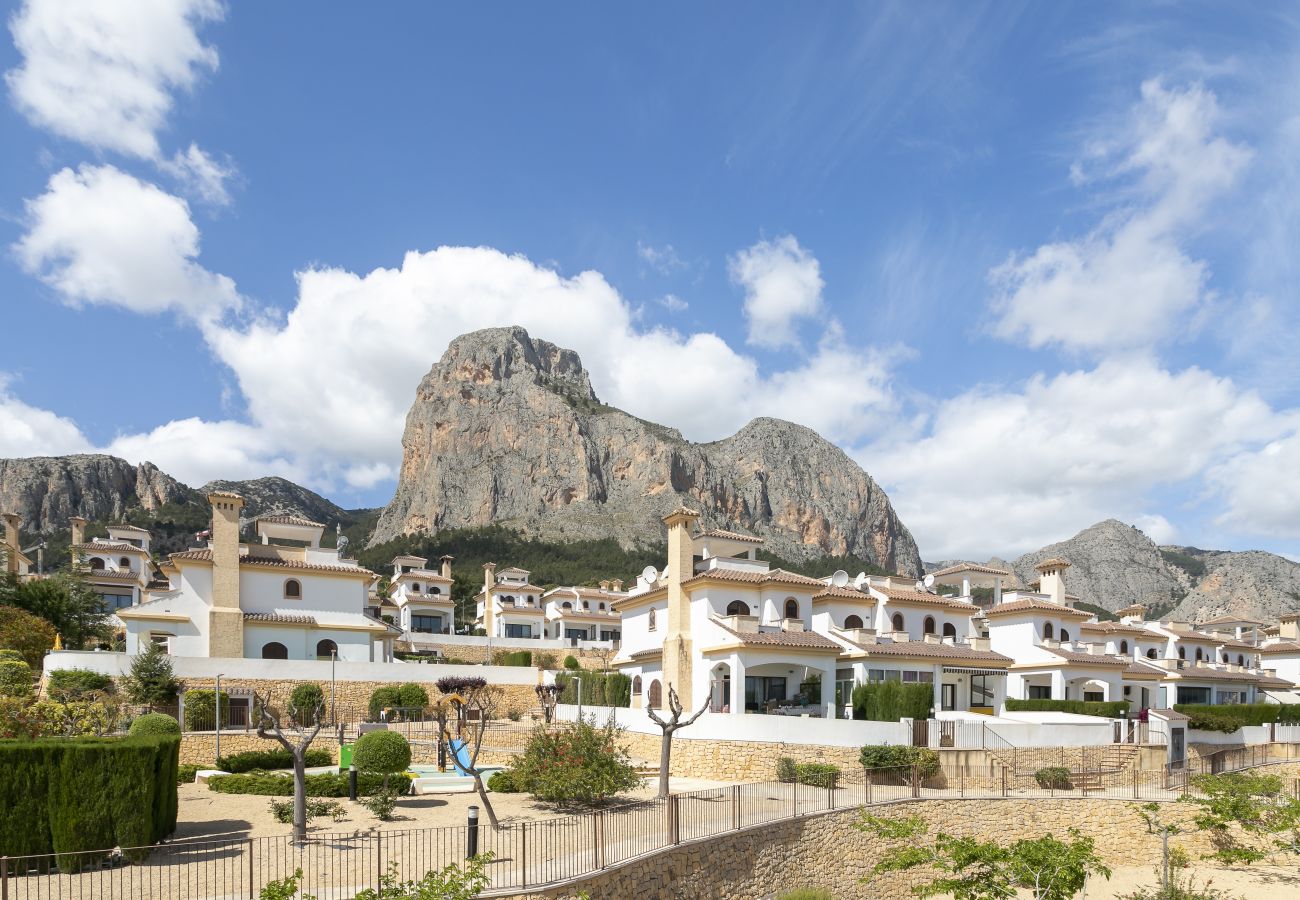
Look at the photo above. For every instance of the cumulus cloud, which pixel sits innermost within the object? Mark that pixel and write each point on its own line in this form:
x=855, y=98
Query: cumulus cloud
x=1004, y=471
x=782, y=283
x=104, y=72
x=1259, y=489
x=200, y=175
x=1128, y=282
x=197, y=451
x=28, y=431
x=98, y=235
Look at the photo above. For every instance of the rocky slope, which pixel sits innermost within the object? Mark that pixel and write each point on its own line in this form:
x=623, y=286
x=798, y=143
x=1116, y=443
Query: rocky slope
x=46, y=490
x=507, y=429
x=1113, y=564
x=273, y=494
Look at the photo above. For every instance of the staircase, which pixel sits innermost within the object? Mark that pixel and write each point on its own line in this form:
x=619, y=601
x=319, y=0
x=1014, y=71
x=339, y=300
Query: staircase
x=1084, y=763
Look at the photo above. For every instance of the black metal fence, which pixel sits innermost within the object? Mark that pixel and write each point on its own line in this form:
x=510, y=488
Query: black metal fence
x=528, y=854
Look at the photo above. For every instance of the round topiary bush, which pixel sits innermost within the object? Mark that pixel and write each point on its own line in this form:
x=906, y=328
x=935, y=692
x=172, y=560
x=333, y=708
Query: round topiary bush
x=12, y=654
x=571, y=662
x=154, y=723
x=412, y=696
x=382, y=698
x=15, y=678
x=383, y=752
x=305, y=699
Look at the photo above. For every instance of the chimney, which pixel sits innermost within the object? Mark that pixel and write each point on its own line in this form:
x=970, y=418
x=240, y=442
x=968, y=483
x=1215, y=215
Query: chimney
x=78, y=529
x=446, y=566
x=12, y=521
x=226, y=630
x=604, y=585
x=616, y=585
x=1052, y=579
x=1288, y=628
x=677, y=640
x=489, y=608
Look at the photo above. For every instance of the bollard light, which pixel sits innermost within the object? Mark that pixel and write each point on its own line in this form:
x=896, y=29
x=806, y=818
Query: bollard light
x=352, y=782
x=471, y=834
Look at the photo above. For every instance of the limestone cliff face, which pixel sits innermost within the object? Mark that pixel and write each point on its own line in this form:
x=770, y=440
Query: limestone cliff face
x=46, y=490
x=506, y=429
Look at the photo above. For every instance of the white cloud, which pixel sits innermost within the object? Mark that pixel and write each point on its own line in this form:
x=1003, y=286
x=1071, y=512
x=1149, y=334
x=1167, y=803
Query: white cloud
x=28, y=431
x=101, y=236
x=196, y=451
x=201, y=175
x=103, y=72
x=782, y=283
x=1128, y=282
x=1260, y=490
x=673, y=303
x=1005, y=471
x=663, y=260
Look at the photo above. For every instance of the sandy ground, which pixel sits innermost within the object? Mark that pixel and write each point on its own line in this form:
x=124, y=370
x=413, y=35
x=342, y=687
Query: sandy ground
x=208, y=814
x=1258, y=882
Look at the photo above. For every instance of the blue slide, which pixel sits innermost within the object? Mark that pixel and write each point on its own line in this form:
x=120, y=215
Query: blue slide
x=459, y=756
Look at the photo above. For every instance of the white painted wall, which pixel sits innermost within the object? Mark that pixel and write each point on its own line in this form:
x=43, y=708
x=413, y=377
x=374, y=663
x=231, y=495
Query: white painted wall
x=771, y=729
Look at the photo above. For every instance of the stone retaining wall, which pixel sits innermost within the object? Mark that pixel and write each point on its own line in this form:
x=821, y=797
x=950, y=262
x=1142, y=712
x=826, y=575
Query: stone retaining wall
x=826, y=851
x=471, y=653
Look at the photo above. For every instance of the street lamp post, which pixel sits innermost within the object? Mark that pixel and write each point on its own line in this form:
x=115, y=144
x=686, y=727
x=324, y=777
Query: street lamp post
x=218, y=722
x=334, y=657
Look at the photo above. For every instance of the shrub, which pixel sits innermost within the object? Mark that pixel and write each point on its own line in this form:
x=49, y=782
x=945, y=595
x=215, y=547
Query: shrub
x=822, y=775
x=578, y=762
x=12, y=654
x=544, y=659
x=412, y=696
x=460, y=684
x=75, y=684
x=512, y=658
x=381, y=805
x=1107, y=709
x=326, y=784
x=154, y=724
x=15, y=678
x=305, y=699
x=1213, y=721
x=598, y=688
x=26, y=636
x=1243, y=713
x=571, y=662
x=201, y=710
x=786, y=769
x=898, y=756
x=889, y=701
x=382, y=698
x=187, y=772
x=502, y=783
x=151, y=680
x=1055, y=778
x=382, y=752
x=261, y=760
x=282, y=810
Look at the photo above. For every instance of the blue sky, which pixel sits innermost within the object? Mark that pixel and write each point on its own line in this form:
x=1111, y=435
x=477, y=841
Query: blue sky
x=1032, y=266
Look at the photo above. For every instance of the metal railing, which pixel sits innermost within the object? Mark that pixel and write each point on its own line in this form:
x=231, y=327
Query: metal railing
x=528, y=854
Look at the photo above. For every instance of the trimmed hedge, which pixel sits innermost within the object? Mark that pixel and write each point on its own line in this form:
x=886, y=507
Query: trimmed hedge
x=252, y=760
x=896, y=756
x=1055, y=778
x=87, y=794
x=823, y=775
x=889, y=701
x=1241, y=713
x=75, y=684
x=512, y=658
x=273, y=784
x=1107, y=709
x=598, y=688
x=155, y=724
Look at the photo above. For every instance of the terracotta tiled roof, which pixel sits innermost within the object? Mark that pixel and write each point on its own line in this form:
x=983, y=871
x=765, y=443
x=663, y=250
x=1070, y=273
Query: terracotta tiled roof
x=905, y=595
x=1226, y=620
x=1118, y=628
x=1237, y=645
x=226, y=495
x=925, y=650
x=285, y=519
x=206, y=556
x=729, y=535
x=1139, y=670
x=648, y=654
x=1087, y=658
x=1206, y=673
x=1053, y=562
x=771, y=576
x=1191, y=634
x=122, y=526
x=844, y=593
x=971, y=567
x=104, y=575
x=283, y=618
x=1280, y=648
x=1026, y=604
x=802, y=640
x=110, y=547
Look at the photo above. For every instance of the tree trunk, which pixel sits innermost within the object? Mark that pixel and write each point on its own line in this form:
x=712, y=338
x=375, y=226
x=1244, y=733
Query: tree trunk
x=665, y=760
x=299, y=795
x=487, y=804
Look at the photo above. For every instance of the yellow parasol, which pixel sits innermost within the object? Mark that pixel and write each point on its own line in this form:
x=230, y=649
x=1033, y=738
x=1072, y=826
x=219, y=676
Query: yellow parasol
x=58, y=641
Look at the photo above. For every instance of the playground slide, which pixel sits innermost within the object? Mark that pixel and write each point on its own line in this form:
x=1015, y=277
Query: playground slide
x=459, y=755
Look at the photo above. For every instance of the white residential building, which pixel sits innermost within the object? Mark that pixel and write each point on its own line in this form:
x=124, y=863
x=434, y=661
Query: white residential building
x=584, y=613
x=509, y=605
x=119, y=567
x=422, y=596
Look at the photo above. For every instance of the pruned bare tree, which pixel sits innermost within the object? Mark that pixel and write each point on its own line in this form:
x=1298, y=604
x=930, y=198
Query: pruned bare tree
x=671, y=724
x=548, y=696
x=477, y=703
x=296, y=742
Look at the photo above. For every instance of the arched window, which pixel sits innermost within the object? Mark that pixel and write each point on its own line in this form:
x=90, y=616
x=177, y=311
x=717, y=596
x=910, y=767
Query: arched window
x=1199, y=655
x=435, y=590
x=415, y=587
x=949, y=630
x=602, y=606
x=1123, y=647
x=897, y=621
x=96, y=564
x=326, y=648
x=292, y=591
x=1151, y=654
x=655, y=698
x=927, y=627
x=1065, y=635
x=1241, y=660
x=124, y=563
x=1182, y=653
x=636, y=685
x=1047, y=631
x=791, y=608
x=1225, y=658
x=275, y=650
x=737, y=608
x=652, y=618
x=566, y=605
x=853, y=621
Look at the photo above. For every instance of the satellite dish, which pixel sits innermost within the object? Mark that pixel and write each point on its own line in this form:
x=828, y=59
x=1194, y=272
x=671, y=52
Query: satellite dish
x=860, y=581
x=929, y=581
x=649, y=574
x=840, y=578
x=920, y=585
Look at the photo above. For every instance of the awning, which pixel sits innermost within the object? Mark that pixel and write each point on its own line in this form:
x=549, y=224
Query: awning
x=964, y=670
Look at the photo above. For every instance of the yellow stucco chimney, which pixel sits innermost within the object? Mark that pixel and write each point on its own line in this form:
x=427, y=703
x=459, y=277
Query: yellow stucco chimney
x=13, y=547
x=489, y=611
x=78, y=525
x=226, y=619
x=677, y=640
x=1052, y=579
x=446, y=566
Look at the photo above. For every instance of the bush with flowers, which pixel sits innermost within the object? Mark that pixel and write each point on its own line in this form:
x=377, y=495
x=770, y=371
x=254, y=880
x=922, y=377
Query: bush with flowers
x=578, y=763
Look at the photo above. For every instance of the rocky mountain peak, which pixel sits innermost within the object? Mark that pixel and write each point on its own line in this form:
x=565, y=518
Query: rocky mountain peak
x=506, y=428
